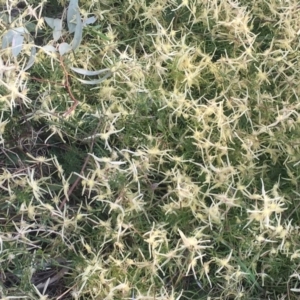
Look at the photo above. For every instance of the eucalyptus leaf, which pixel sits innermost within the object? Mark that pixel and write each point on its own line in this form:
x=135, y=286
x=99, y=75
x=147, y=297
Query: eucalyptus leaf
x=64, y=48
x=10, y=34
x=89, y=20
x=96, y=81
x=4, y=17
x=87, y=72
x=17, y=44
x=20, y=30
x=49, y=48
x=72, y=13
x=57, y=31
x=50, y=22
x=78, y=32
x=56, y=25
x=31, y=59
x=7, y=39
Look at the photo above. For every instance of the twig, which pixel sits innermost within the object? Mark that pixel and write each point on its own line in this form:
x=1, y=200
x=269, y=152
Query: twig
x=68, y=87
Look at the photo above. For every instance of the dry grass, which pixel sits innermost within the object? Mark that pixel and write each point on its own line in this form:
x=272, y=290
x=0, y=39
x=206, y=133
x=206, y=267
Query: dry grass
x=175, y=176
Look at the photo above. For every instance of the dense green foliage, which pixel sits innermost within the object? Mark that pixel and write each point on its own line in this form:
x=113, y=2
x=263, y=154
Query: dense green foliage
x=175, y=175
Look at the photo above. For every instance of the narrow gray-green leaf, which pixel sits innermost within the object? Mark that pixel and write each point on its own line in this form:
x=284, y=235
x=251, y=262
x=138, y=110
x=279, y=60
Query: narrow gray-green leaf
x=31, y=59
x=96, y=81
x=57, y=30
x=17, y=44
x=89, y=20
x=56, y=25
x=9, y=35
x=7, y=39
x=87, y=72
x=21, y=30
x=78, y=32
x=71, y=15
x=50, y=22
x=49, y=48
x=64, y=48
